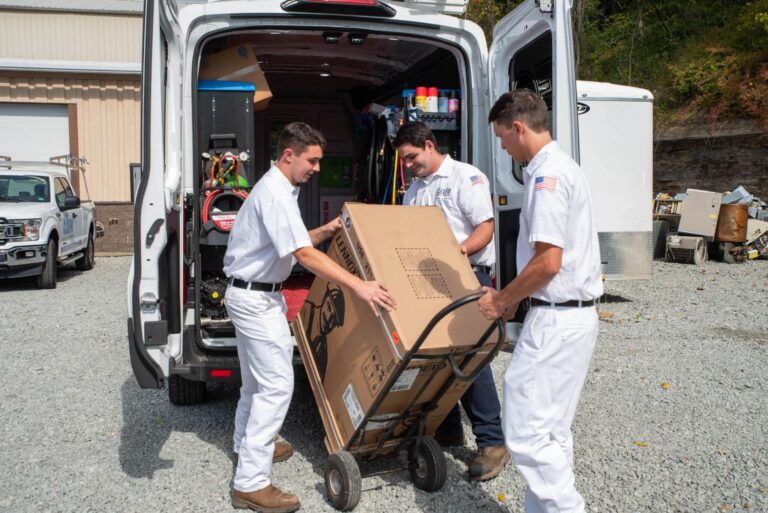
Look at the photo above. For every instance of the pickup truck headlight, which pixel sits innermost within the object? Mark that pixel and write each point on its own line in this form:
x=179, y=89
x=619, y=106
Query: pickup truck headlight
x=31, y=228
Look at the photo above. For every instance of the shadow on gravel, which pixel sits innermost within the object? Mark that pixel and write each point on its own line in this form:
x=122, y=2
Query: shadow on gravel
x=304, y=430
x=30, y=283
x=613, y=298
x=149, y=419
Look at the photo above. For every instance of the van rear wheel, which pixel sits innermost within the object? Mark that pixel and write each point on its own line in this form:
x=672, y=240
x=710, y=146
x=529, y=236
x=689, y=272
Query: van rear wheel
x=184, y=392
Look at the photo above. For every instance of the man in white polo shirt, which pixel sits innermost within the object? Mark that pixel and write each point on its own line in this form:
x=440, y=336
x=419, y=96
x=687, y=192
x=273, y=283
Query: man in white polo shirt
x=559, y=261
x=267, y=239
x=463, y=194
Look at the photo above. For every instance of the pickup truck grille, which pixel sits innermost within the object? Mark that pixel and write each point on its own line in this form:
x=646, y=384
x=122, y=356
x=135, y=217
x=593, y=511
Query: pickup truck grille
x=10, y=231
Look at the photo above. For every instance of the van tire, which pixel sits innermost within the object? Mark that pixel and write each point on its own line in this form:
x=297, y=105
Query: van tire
x=47, y=278
x=86, y=262
x=183, y=392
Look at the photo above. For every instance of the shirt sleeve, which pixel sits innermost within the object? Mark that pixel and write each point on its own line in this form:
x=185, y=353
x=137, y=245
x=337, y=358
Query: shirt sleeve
x=282, y=220
x=550, y=202
x=474, y=198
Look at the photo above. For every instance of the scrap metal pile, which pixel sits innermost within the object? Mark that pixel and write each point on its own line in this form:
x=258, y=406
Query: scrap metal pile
x=696, y=225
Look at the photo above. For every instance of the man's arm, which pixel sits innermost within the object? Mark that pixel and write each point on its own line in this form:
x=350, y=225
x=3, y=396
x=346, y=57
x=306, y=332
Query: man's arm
x=325, y=232
x=544, y=266
x=480, y=237
x=372, y=292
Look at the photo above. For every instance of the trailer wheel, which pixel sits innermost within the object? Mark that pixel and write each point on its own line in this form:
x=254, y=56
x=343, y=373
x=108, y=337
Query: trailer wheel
x=184, y=392
x=47, y=279
x=428, y=466
x=343, y=481
x=700, y=254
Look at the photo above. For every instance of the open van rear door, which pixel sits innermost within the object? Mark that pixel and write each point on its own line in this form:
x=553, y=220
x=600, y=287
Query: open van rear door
x=532, y=48
x=150, y=306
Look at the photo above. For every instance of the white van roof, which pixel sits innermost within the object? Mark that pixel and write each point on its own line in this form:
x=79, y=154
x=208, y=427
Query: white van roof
x=603, y=90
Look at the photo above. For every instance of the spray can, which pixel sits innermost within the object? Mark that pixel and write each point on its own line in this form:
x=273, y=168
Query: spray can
x=442, y=101
x=432, y=99
x=421, y=98
x=453, y=102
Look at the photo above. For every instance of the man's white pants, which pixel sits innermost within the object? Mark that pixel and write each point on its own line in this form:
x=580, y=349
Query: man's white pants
x=265, y=349
x=542, y=386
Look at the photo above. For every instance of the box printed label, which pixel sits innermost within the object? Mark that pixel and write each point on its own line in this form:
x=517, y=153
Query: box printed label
x=353, y=406
x=381, y=422
x=374, y=371
x=406, y=379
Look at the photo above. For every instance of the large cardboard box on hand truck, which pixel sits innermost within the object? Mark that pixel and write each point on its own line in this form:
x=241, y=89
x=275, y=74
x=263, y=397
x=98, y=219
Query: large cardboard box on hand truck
x=351, y=355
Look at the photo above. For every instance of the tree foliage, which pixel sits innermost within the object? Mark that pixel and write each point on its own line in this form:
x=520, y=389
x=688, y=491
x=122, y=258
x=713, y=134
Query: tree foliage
x=704, y=60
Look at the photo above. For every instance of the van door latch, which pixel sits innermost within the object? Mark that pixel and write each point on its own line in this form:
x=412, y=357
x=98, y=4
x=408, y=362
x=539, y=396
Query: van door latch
x=545, y=5
x=148, y=301
x=153, y=231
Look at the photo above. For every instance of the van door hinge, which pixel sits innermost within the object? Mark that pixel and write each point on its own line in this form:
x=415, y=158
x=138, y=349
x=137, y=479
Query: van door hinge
x=545, y=5
x=153, y=231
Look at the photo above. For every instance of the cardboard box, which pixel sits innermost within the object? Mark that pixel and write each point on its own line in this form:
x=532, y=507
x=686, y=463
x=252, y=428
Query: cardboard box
x=238, y=64
x=351, y=356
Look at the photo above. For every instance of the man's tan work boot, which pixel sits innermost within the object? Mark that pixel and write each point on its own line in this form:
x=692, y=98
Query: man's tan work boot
x=267, y=500
x=283, y=451
x=488, y=463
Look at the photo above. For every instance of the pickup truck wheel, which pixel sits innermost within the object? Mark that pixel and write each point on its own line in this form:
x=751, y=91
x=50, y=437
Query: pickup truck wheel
x=87, y=261
x=47, y=279
x=183, y=392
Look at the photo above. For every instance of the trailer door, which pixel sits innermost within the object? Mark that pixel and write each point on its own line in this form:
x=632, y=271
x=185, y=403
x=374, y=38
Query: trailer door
x=147, y=300
x=532, y=48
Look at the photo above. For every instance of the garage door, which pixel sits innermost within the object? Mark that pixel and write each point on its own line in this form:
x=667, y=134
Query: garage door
x=33, y=131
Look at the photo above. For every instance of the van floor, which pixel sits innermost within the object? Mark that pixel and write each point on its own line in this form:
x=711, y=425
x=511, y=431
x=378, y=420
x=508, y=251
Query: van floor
x=295, y=291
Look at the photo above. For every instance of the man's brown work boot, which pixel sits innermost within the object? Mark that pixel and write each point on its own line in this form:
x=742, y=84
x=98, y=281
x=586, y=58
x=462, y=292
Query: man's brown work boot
x=267, y=500
x=283, y=451
x=488, y=463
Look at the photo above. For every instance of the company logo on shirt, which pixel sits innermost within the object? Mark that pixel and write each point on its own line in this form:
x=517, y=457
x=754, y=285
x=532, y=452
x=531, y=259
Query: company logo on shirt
x=443, y=191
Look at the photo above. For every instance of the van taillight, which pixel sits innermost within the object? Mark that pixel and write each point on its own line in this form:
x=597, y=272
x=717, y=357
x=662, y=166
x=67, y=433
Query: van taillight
x=358, y=7
x=221, y=373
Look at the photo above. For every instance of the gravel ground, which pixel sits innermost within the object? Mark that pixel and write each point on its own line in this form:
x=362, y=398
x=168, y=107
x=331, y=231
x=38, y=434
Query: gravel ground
x=673, y=418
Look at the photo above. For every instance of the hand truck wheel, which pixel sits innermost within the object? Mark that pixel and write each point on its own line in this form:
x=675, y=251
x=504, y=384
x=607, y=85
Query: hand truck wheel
x=428, y=467
x=343, y=481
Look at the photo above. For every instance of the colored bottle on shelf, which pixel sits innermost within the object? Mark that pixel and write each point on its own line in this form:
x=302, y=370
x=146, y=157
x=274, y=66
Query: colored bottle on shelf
x=432, y=99
x=453, y=102
x=421, y=98
x=442, y=101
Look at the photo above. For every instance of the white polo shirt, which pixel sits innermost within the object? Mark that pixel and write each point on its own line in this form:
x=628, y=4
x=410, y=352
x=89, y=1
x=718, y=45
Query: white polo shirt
x=557, y=209
x=463, y=194
x=267, y=230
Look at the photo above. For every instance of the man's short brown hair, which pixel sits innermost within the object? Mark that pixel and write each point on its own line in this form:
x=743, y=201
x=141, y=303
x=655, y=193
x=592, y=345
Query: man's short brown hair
x=416, y=134
x=298, y=136
x=520, y=105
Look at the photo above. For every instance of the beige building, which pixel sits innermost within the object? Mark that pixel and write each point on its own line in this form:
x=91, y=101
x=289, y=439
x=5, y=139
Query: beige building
x=70, y=75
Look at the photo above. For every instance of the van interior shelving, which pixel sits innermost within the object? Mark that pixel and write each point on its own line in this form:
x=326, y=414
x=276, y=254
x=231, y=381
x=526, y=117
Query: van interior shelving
x=337, y=82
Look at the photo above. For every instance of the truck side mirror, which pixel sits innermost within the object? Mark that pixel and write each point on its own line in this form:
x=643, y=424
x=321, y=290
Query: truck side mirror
x=71, y=202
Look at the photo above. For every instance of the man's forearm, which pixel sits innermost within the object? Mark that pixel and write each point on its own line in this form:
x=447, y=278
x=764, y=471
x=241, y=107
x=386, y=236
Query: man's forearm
x=322, y=265
x=480, y=237
x=536, y=275
x=321, y=234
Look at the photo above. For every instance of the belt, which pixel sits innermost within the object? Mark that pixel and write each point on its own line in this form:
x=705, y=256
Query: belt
x=574, y=303
x=485, y=269
x=255, y=285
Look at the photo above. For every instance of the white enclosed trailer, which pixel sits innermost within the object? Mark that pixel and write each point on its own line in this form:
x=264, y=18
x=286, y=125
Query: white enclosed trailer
x=616, y=154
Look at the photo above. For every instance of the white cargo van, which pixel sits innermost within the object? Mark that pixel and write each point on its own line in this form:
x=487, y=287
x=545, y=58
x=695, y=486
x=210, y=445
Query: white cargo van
x=332, y=64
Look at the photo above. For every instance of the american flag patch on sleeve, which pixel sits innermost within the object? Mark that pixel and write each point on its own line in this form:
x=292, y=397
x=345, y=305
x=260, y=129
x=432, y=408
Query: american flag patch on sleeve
x=548, y=183
x=476, y=179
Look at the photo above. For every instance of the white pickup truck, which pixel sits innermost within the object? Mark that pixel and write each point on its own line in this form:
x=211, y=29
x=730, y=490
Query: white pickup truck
x=43, y=223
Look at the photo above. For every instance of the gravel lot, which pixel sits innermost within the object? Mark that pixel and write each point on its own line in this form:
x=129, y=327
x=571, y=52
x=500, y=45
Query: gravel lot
x=673, y=418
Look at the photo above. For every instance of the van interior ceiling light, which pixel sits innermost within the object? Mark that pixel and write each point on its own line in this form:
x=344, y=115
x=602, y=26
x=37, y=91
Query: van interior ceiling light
x=348, y=7
x=331, y=38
